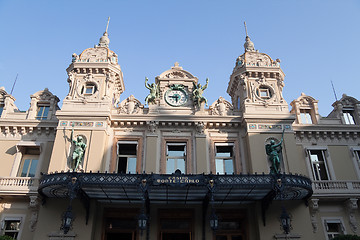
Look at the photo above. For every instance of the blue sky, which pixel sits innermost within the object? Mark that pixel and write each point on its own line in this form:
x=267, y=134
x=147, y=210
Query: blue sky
x=317, y=42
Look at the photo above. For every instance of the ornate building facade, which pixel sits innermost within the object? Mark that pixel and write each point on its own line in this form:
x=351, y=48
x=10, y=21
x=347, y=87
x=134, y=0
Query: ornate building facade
x=174, y=166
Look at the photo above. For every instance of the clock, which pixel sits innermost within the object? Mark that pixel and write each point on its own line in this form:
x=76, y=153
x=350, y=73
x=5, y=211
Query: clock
x=176, y=96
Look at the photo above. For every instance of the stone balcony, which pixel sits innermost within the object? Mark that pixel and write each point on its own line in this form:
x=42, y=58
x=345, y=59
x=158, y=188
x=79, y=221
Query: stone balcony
x=18, y=185
x=336, y=188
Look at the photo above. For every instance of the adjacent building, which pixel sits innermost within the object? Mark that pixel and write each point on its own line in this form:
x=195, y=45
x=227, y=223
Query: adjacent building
x=175, y=167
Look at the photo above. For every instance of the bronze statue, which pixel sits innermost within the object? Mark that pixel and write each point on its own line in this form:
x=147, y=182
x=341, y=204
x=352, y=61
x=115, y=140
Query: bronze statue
x=273, y=151
x=79, y=150
x=198, y=91
x=154, y=91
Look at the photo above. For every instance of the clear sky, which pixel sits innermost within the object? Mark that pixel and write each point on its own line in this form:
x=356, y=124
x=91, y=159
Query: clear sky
x=317, y=41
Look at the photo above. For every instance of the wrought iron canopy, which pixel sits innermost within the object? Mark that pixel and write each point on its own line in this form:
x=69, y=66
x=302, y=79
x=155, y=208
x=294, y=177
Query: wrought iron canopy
x=177, y=188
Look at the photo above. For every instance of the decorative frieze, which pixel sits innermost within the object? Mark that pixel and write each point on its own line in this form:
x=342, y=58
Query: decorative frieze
x=255, y=126
x=19, y=131
x=326, y=136
x=80, y=124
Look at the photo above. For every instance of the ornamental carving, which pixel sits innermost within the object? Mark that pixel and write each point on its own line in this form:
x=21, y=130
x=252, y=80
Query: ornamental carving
x=176, y=74
x=94, y=55
x=130, y=106
x=305, y=100
x=44, y=95
x=152, y=126
x=258, y=59
x=3, y=93
x=221, y=107
x=348, y=101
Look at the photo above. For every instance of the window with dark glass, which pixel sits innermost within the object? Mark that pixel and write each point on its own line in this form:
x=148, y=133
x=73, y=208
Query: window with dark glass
x=319, y=165
x=224, y=159
x=305, y=116
x=175, y=157
x=348, y=116
x=176, y=225
x=334, y=228
x=232, y=226
x=12, y=227
x=1, y=108
x=42, y=112
x=127, y=157
x=264, y=92
x=29, y=162
x=88, y=89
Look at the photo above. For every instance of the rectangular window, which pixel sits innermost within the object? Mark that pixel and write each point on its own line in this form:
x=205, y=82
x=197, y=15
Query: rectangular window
x=12, y=227
x=224, y=158
x=1, y=108
x=175, y=157
x=319, y=165
x=42, y=112
x=305, y=116
x=264, y=93
x=333, y=228
x=127, y=157
x=29, y=162
x=348, y=117
x=89, y=89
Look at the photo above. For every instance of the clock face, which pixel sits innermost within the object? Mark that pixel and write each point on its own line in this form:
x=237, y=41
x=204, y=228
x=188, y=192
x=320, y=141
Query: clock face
x=176, y=97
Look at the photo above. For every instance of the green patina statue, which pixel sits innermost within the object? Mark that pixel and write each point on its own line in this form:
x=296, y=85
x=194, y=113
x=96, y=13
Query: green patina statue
x=154, y=91
x=79, y=150
x=273, y=151
x=198, y=91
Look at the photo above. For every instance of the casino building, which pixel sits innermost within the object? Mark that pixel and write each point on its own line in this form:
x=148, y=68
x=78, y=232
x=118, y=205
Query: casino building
x=172, y=168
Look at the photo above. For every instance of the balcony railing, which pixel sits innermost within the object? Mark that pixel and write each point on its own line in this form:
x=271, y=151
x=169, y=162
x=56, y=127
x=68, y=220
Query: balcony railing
x=18, y=185
x=336, y=188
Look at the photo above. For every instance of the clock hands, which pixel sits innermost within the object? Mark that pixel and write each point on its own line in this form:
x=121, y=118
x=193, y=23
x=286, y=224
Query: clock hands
x=176, y=96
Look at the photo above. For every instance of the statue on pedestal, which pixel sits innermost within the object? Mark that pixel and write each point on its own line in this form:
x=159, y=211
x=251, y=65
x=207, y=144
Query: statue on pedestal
x=79, y=150
x=273, y=151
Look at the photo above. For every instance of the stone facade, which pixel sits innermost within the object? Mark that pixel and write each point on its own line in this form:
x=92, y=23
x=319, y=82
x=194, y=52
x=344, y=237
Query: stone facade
x=134, y=151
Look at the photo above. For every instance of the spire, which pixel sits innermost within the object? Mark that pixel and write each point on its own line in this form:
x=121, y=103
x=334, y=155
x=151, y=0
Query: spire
x=249, y=45
x=104, y=40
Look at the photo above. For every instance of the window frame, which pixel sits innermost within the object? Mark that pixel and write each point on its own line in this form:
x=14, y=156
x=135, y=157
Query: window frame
x=39, y=107
x=316, y=172
x=13, y=217
x=355, y=155
x=22, y=163
x=118, y=155
x=188, y=153
x=238, y=164
x=338, y=220
x=2, y=106
x=348, y=116
x=232, y=158
x=184, y=157
x=327, y=160
x=139, y=152
x=307, y=116
x=21, y=154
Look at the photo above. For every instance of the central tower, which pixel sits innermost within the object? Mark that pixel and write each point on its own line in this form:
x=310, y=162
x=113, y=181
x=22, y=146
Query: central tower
x=256, y=83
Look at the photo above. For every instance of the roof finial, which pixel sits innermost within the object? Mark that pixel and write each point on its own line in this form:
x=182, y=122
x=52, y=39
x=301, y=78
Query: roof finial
x=104, y=40
x=107, y=25
x=245, y=29
x=249, y=45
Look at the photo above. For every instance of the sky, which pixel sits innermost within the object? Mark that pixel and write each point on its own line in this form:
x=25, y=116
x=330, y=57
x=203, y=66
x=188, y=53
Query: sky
x=316, y=41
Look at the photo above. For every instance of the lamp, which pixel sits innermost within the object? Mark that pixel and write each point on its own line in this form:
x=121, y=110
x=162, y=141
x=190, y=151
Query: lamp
x=214, y=221
x=285, y=221
x=67, y=220
x=142, y=221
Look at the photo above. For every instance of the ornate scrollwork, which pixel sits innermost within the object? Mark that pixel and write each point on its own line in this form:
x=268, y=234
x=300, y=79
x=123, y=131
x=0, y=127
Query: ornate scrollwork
x=221, y=107
x=130, y=106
